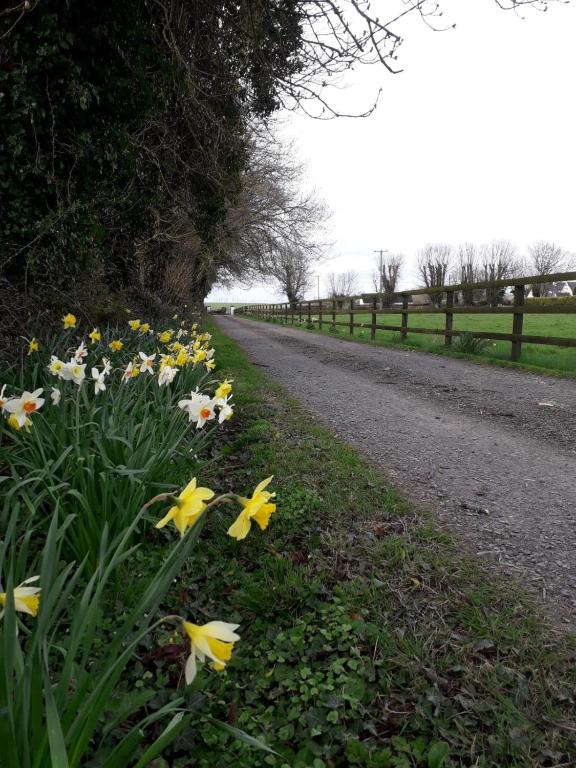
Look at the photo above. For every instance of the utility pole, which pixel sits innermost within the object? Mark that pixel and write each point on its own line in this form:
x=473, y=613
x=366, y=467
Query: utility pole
x=382, y=251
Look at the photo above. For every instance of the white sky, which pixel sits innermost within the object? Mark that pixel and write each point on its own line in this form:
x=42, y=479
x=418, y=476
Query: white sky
x=474, y=140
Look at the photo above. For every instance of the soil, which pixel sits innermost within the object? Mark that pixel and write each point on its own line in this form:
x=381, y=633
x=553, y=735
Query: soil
x=491, y=451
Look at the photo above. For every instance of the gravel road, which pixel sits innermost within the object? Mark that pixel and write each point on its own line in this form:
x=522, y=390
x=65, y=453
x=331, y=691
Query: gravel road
x=491, y=451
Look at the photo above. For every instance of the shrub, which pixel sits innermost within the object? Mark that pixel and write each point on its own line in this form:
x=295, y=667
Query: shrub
x=468, y=344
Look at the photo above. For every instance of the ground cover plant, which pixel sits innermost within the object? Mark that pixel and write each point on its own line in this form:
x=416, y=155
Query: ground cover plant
x=372, y=639
x=104, y=438
x=560, y=360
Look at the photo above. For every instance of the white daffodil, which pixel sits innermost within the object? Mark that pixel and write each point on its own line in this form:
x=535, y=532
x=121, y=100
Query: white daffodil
x=166, y=375
x=147, y=363
x=55, y=396
x=98, y=377
x=80, y=353
x=200, y=408
x=55, y=366
x=3, y=399
x=73, y=371
x=26, y=599
x=22, y=407
x=128, y=372
x=107, y=366
x=226, y=411
x=210, y=354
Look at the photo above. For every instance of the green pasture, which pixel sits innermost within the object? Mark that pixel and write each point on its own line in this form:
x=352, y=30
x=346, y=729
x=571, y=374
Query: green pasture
x=557, y=359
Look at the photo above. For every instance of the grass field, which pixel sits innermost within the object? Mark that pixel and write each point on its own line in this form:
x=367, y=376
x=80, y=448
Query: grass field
x=369, y=638
x=556, y=359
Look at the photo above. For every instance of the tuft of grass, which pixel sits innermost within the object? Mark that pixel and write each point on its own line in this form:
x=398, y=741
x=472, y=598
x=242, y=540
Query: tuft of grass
x=372, y=639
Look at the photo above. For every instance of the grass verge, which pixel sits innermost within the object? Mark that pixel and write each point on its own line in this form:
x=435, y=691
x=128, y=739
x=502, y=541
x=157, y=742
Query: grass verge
x=368, y=638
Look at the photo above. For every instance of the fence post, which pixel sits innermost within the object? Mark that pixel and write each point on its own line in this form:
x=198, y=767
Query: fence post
x=352, y=316
x=518, y=320
x=320, y=314
x=292, y=311
x=309, y=313
x=334, y=314
x=300, y=312
x=373, y=325
x=449, y=318
x=404, y=326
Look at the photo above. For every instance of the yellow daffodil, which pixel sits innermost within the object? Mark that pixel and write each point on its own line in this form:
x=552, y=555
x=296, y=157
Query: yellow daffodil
x=200, y=356
x=33, y=346
x=210, y=365
x=116, y=345
x=145, y=327
x=167, y=361
x=223, y=390
x=134, y=324
x=176, y=346
x=69, y=320
x=26, y=599
x=214, y=640
x=256, y=508
x=182, y=358
x=188, y=508
x=95, y=336
x=165, y=337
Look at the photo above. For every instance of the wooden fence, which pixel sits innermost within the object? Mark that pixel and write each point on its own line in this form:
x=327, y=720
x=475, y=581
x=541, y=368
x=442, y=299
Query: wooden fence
x=446, y=298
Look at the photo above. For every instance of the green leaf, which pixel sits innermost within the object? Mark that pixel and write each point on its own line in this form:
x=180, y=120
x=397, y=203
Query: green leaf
x=437, y=754
x=242, y=736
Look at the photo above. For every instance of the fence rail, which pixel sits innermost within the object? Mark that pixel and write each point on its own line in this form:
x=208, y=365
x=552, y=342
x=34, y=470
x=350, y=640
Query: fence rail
x=327, y=310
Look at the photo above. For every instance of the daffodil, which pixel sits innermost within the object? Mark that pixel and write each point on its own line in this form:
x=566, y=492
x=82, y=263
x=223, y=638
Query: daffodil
x=226, y=411
x=95, y=336
x=145, y=328
x=199, y=407
x=223, y=389
x=188, y=508
x=55, y=396
x=134, y=324
x=73, y=371
x=69, y=320
x=182, y=358
x=147, y=362
x=256, y=508
x=81, y=352
x=165, y=337
x=13, y=423
x=214, y=640
x=33, y=346
x=106, y=366
x=116, y=345
x=99, y=384
x=166, y=375
x=21, y=407
x=55, y=366
x=3, y=399
x=26, y=599
x=210, y=365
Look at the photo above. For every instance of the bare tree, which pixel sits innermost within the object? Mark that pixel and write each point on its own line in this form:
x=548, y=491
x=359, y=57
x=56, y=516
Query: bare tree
x=292, y=270
x=466, y=270
x=544, y=259
x=386, y=275
x=434, y=263
x=342, y=284
x=498, y=261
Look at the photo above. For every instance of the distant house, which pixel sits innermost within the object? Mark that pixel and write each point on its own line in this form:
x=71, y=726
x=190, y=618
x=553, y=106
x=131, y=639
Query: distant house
x=421, y=300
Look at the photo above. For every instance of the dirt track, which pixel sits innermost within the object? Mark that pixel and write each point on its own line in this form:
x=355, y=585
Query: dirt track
x=492, y=451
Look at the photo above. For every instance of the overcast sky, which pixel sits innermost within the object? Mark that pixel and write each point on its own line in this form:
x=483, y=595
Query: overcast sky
x=474, y=140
